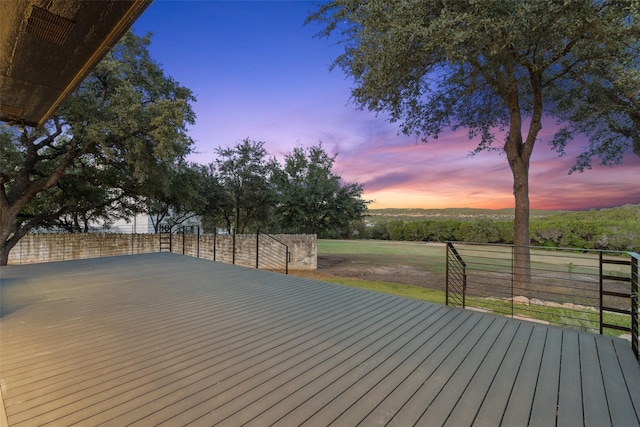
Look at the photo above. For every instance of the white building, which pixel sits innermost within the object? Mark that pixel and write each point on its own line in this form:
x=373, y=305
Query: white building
x=142, y=224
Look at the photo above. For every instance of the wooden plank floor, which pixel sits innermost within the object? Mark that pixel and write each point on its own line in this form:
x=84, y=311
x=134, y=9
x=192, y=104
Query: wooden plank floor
x=162, y=339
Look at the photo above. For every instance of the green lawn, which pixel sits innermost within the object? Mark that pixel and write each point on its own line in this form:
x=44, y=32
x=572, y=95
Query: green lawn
x=409, y=291
x=423, y=256
x=384, y=247
x=433, y=258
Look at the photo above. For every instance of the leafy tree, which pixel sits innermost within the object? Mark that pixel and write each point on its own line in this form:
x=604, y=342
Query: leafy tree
x=480, y=230
x=244, y=172
x=177, y=197
x=395, y=230
x=124, y=119
x=441, y=230
x=484, y=66
x=610, y=114
x=218, y=203
x=312, y=198
x=89, y=196
x=414, y=231
x=377, y=231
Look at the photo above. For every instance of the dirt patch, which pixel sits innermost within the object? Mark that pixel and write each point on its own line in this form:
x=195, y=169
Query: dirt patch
x=345, y=266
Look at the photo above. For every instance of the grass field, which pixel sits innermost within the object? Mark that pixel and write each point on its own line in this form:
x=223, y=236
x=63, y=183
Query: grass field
x=405, y=258
x=430, y=257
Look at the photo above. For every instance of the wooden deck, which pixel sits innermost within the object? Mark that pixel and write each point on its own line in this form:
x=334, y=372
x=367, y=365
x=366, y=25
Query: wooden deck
x=163, y=339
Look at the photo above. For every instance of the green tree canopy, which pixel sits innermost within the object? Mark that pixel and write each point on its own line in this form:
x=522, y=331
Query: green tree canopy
x=124, y=119
x=244, y=171
x=609, y=113
x=312, y=198
x=486, y=66
x=176, y=197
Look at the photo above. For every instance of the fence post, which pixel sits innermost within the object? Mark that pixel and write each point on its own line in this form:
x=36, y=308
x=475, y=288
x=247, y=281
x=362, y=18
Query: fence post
x=464, y=287
x=233, y=249
x=446, y=292
x=513, y=248
x=198, y=243
x=635, y=288
x=287, y=259
x=183, y=240
x=601, y=289
x=215, y=238
x=257, y=248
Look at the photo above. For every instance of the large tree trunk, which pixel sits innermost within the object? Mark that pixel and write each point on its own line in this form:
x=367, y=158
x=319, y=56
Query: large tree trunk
x=521, y=253
x=5, y=248
x=7, y=237
x=519, y=155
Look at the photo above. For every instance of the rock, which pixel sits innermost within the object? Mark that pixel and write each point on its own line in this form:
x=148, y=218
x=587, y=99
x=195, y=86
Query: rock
x=553, y=304
x=521, y=300
x=530, y=319
x=481, y=310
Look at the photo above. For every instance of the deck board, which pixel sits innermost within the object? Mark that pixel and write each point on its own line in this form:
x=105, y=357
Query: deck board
x=415, y=406
x=518, y=408
x=592, y=385
x=629, y=371
x=465, y=405
x=162, y=339
x=325, y=394
x=445, y=402
x=621, y=407
x=570, y=411
x=545, y=399
x=497, y=396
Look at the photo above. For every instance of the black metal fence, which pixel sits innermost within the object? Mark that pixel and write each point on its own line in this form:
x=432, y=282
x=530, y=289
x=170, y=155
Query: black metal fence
x=589, y=290
x=257, y=250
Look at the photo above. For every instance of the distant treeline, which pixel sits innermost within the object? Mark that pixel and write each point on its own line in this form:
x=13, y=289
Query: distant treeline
x=610, y=229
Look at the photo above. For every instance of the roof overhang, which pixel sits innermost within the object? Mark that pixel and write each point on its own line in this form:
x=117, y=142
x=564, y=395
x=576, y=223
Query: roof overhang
x=47, y=47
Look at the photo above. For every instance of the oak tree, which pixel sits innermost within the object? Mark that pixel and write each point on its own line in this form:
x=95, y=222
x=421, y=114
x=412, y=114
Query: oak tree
x=312, y=198
x=491, y=67
x=125, y=118
x=244, y=172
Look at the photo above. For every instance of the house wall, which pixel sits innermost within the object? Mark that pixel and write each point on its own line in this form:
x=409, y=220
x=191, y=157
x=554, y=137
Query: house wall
x=48, y=247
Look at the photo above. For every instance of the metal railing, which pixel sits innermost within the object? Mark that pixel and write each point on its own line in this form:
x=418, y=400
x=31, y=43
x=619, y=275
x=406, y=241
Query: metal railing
x=590, y=290
x=257, y=250
x=456, y=285
x=251, y=250
x=272, y=254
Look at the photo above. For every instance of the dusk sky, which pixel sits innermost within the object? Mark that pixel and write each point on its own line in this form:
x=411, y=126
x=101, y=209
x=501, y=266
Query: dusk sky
x=259, y=73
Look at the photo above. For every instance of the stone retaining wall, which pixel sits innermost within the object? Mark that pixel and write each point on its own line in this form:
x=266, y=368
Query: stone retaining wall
x=47, y=247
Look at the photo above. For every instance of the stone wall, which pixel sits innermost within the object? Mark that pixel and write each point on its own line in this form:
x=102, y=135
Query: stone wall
x=302, y=248
x=270, y=250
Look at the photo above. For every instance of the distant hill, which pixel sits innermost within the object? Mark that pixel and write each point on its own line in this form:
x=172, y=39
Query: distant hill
x=611, y=228
x=394, y=214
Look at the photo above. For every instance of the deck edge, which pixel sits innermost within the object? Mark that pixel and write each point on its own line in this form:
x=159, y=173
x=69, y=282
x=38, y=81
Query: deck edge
x=4, y=422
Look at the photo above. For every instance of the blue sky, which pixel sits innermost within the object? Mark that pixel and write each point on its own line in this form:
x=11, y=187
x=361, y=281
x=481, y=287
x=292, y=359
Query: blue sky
x=258, y=72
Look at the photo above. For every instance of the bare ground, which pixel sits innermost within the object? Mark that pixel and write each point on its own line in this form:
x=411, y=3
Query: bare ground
x=352, y=267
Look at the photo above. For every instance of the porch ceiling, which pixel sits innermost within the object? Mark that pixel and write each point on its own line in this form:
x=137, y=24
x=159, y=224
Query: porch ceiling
x=47, y=47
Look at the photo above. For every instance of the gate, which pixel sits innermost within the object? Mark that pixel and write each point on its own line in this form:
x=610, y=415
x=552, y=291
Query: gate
x=612, y=297
x=165, y=238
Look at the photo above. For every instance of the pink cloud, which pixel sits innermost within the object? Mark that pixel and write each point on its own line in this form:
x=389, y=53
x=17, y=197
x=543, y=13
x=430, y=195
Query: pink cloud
x=401, y=171
x=442, y=171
